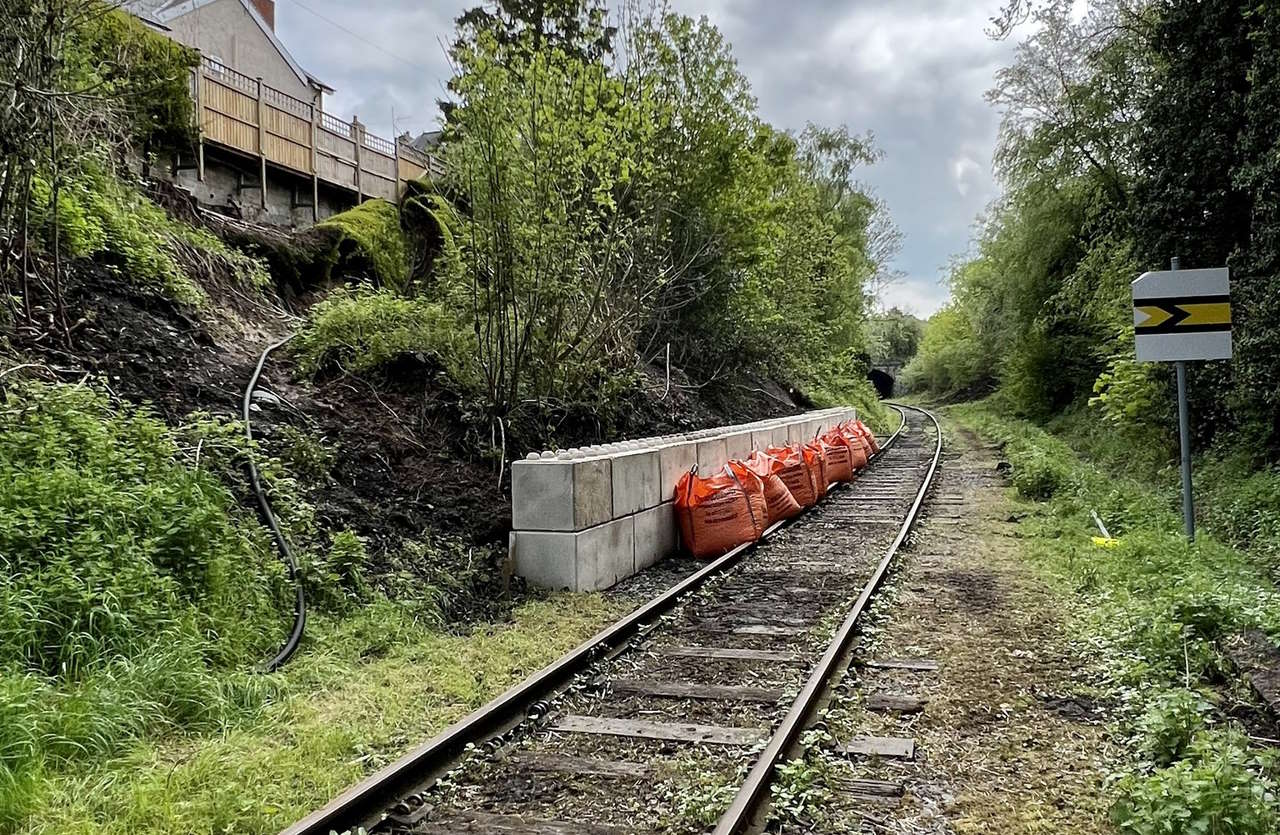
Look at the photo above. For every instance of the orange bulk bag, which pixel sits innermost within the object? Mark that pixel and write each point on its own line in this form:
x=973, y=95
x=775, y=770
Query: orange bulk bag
x=867, y=433
x=839, y=454
x=858, y=445
x=796, y=473
x=778, y=498
x=721, y=512
x=818, y=466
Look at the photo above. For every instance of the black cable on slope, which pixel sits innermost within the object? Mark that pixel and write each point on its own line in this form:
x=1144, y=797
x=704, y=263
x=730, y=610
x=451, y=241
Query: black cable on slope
x=264, y=507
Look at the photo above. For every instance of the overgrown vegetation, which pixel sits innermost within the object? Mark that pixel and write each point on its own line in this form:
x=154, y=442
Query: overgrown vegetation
x=370, y=233
x=1154, y=611
x=133, y=596
x=613, y=203
x=612, y=199
x=1142, y=131
x=307, y=743
x=355, y=330
x=86, y=85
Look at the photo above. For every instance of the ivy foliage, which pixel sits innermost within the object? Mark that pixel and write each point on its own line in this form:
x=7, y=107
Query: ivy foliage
x=117, y=56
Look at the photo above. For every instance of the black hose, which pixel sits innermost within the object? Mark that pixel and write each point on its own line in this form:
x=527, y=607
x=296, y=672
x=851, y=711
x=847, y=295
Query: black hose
x=264, y=508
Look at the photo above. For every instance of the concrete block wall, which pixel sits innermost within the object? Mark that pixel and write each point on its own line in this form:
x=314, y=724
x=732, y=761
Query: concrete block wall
x=583, y=519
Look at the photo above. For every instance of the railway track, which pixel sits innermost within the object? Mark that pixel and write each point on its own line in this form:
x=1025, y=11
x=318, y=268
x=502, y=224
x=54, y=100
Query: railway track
x=695, y=697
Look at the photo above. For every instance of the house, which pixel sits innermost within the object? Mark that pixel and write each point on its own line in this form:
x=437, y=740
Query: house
x=238, y=34
x=266, y=150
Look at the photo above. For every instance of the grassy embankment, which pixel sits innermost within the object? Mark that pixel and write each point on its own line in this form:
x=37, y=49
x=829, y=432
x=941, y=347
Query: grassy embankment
x=364, y=691
x=137, y=596
x=1154, y=611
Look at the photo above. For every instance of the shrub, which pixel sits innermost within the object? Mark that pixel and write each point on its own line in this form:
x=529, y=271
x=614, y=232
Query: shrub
x=130, y=583
x=361, y=330
x=1219, y=789
x=100, y=214
x=108, y=540
x=1037, y=473
x=1171, y=721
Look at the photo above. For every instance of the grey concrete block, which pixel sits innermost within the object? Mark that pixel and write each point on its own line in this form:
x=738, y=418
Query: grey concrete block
x=763, y=437
x=546, y=559
x=656, y=534
x=637, y=482
x=588, y=560
x=738, y=445
x=674, y=460
x=561, y=495
x=712, y=456
x=606, y=554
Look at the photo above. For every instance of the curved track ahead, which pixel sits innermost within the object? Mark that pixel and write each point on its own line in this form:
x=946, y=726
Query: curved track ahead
x=717, y=671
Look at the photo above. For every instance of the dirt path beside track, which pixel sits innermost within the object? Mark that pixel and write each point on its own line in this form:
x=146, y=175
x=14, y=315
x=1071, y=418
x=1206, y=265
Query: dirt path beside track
x=1010, y=739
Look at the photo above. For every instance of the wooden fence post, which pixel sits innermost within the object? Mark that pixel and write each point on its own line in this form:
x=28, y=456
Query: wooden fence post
x=396, y=141
x=315, y=162
x=262, y=148
x=199, y=118
x=357, y=133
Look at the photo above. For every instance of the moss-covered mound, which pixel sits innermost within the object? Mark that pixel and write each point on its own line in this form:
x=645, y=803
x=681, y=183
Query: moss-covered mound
x=368, y=239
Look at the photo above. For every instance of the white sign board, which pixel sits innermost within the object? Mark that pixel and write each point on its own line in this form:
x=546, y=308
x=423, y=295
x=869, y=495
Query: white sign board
x=1182, y=315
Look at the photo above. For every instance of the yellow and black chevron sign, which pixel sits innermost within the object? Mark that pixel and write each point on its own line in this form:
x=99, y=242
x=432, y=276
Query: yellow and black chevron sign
x=1185, y=314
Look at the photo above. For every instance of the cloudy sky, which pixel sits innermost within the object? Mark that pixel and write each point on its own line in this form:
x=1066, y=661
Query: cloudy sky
x=911, y=71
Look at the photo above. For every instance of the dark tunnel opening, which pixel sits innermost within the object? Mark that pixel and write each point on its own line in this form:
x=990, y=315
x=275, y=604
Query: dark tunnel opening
x=882, y=381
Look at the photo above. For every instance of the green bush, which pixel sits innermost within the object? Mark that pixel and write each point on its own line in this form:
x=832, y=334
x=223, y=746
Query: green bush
x=109, y=539
x=1171, y=721
x=100, y=214
x=841, y=381
x=1219, y=789
x=951, y=361
x=1038, y=473
x=360, y=330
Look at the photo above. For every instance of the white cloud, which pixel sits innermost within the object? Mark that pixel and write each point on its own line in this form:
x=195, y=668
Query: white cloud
x=919, y=297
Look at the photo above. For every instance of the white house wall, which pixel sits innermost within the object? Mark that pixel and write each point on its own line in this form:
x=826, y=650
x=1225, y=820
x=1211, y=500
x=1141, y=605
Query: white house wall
x=224, y=29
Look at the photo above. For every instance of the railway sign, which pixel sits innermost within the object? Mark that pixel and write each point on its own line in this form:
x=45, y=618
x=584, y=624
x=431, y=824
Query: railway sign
x=1182, y=315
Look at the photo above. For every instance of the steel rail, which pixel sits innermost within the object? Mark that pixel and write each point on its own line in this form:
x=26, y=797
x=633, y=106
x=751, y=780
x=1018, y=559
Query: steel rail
x=365, y=803
x=750, y=799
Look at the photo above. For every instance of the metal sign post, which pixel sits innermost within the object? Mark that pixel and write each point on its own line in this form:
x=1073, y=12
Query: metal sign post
x=1181, y=315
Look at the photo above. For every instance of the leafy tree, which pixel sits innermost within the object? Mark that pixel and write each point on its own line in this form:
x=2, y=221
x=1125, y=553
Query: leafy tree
x=615, y=208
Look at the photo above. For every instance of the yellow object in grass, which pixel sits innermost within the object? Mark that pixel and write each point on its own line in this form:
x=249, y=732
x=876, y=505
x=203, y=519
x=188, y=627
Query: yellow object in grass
x=1105, y=542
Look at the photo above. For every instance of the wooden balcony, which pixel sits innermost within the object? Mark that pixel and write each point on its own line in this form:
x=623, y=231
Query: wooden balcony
x=244, y=115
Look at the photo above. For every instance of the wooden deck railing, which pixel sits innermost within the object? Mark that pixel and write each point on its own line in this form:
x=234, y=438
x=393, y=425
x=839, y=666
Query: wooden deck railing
x=245, y=115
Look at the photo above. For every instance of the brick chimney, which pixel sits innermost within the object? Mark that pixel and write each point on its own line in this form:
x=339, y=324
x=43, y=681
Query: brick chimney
x=266, y=8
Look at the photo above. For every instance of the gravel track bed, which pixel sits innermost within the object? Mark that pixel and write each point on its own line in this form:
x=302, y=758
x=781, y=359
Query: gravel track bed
x=801, y=582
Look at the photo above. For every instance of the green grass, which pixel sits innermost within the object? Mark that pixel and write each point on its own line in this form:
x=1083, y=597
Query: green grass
x=135, y=594
x=1152, y=612
x=365, y=690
